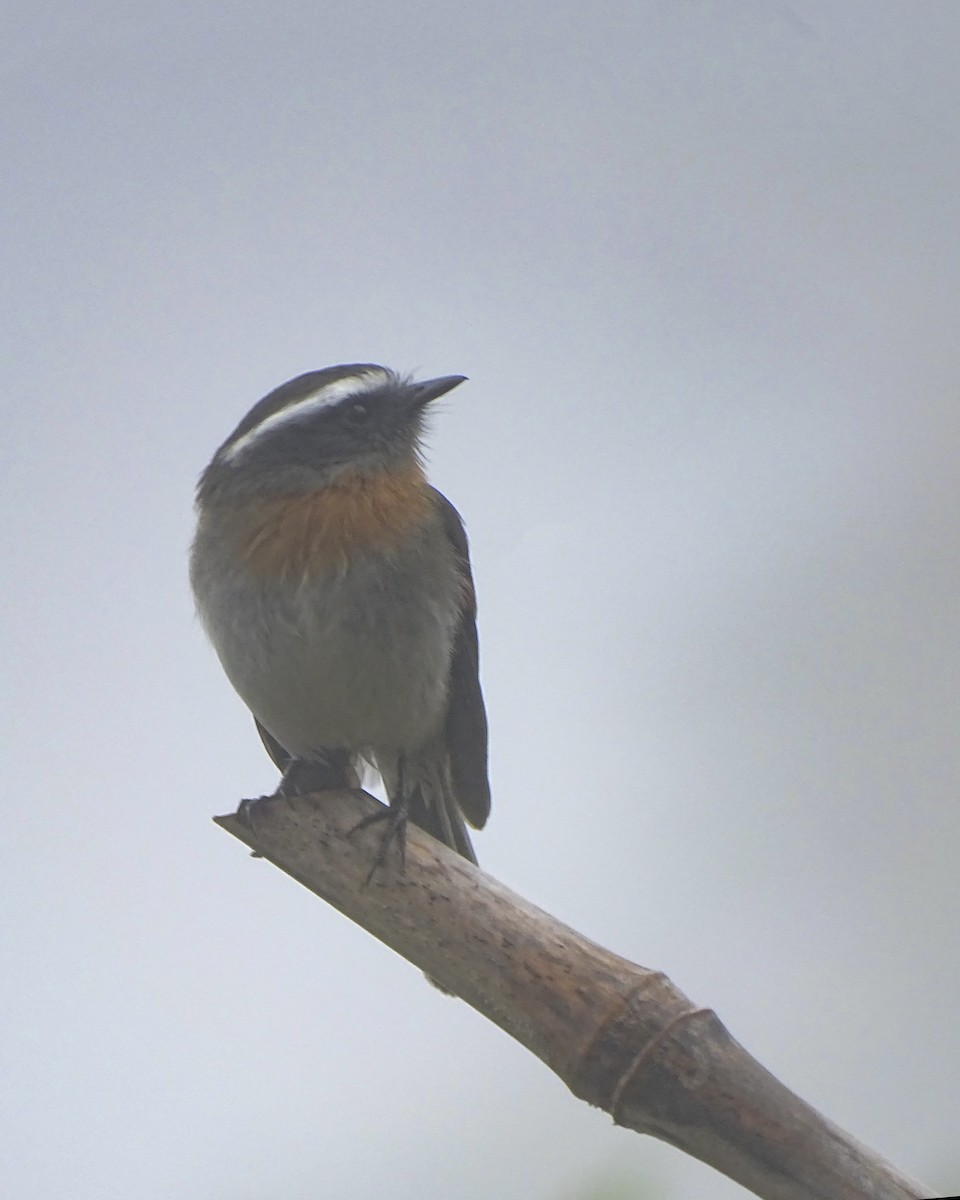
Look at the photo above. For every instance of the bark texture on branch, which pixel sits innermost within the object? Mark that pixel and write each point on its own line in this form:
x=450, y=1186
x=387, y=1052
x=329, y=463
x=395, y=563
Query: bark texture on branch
x=620, y=1036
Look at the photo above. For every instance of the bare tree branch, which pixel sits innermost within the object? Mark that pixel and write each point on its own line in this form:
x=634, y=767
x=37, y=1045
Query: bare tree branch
x=620, y=1036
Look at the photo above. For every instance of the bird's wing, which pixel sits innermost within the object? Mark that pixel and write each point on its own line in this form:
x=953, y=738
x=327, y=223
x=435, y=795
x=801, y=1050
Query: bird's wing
x=280, y=757
x=465, y=726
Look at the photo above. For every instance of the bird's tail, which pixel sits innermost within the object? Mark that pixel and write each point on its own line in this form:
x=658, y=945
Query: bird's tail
x=431, y=802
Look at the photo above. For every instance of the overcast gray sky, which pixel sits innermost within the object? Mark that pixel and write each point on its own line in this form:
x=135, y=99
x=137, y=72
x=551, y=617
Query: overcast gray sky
x=700, y=262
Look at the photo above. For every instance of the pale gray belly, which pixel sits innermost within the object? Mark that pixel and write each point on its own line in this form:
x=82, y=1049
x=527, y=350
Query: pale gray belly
x=357, y=660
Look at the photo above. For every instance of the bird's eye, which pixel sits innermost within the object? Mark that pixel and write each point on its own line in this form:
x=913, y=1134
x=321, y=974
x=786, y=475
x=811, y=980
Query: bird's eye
x=357, y=414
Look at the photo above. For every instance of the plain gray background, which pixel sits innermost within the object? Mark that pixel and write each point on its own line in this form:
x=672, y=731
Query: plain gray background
x=700, y=262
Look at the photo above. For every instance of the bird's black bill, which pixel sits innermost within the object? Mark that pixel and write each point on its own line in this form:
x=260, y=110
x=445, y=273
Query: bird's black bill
x=431, y=389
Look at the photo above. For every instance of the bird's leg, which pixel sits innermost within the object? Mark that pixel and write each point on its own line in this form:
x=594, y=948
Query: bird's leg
x=396, y=816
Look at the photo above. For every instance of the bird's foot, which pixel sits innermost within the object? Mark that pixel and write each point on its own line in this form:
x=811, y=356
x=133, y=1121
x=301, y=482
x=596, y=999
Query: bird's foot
x=326, y=774
x=300, y=777
x=396, y=817
x=245, y=811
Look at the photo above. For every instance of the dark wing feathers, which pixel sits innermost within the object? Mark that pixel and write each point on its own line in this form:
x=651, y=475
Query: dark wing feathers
x=280, y=757
x=465, y=730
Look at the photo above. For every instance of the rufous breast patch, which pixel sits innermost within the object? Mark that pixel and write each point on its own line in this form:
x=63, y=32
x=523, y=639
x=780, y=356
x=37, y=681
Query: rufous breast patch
x=292, y=537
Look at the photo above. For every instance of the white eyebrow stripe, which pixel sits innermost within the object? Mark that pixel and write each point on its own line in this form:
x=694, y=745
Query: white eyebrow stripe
x=326, y=397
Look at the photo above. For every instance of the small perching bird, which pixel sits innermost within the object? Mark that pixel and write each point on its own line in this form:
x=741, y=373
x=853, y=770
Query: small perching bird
x=335, y=585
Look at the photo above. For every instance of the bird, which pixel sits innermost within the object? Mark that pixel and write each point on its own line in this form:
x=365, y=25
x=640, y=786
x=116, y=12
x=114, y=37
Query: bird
x=335, y=585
